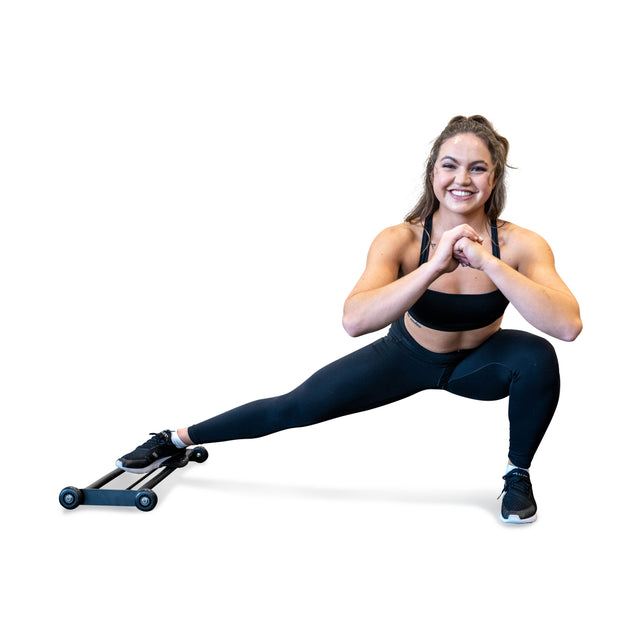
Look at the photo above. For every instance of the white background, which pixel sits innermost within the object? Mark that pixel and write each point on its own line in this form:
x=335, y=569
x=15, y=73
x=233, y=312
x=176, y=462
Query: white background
x=188, y=192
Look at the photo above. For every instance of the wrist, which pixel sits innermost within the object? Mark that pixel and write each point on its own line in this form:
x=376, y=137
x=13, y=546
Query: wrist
x=431, y=272
x=489, y=263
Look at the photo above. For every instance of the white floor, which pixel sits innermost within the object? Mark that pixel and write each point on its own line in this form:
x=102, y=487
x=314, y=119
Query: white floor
x=189, y=192
x=364, y=527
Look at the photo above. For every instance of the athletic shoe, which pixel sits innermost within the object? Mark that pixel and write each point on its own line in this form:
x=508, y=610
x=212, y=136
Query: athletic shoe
x=151, y=454
x=518, y=504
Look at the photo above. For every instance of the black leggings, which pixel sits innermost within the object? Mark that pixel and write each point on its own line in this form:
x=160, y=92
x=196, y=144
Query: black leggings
x=510, y=363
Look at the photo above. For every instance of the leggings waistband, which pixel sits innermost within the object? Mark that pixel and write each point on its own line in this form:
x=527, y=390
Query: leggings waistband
x=398, y=332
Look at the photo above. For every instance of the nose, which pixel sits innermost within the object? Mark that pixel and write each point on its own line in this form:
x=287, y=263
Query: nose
x=462, y=176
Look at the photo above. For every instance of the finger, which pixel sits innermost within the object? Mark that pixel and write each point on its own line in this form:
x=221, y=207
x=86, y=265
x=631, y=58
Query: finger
x=467, y=233
x=474, y=235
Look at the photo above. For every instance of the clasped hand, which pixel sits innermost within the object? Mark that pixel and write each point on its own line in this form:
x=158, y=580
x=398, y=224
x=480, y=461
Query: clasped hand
x=461, y=245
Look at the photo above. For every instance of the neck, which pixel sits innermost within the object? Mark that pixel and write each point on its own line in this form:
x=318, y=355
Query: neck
x=450, y=219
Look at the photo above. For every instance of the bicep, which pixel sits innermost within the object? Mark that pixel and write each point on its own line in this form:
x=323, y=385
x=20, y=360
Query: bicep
x=537, y=263
x=383, y=263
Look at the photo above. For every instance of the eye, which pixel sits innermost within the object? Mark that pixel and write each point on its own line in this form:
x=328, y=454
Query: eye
x=448, y=165
x=479, y=169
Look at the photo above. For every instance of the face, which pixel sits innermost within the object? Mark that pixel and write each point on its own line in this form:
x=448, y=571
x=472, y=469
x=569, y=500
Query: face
x=463, y=176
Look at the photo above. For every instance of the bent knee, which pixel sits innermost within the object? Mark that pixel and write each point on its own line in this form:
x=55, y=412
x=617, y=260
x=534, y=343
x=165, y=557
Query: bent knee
x=538, y=362
x=530, y=351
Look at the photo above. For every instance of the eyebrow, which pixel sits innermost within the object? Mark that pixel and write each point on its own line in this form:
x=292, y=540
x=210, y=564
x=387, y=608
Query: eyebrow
x=458, y=162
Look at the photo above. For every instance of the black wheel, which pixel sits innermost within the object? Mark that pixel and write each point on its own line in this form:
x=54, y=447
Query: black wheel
x=199, y=454
x=146, y=500
x=70, y=497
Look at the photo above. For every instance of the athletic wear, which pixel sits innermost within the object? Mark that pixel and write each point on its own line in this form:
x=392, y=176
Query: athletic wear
x=513, y=364
x=457, y=312
x=150, y=455
x=518, y=504
x=510, y=363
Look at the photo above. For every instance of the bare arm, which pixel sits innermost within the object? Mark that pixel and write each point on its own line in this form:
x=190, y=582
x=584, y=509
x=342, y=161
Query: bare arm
x=381, y=295
x=535, y=289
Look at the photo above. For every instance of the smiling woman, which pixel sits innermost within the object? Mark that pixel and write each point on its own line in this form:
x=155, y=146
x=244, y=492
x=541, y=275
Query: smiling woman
x=445, y=321
x=464, y=177
x=497, y=147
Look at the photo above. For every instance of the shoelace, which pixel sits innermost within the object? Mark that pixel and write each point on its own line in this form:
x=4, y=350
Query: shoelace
x=158, y=438
x=512, y=480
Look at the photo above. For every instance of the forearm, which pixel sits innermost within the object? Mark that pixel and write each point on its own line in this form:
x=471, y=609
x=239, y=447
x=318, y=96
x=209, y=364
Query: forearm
x=371, y=310
x=550, y=310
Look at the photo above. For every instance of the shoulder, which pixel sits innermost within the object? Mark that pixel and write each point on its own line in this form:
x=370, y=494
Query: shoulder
x=510, y=232
x=522, y=245
x=403, y=233
x=397, y=239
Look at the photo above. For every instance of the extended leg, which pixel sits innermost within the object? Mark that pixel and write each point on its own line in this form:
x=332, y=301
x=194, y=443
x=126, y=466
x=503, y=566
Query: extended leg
x=373, y=376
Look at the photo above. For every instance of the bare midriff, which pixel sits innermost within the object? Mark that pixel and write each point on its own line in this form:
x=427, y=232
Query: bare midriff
x=448, y=341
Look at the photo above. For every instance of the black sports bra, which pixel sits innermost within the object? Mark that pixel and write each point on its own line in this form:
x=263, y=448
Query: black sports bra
x=457, y=312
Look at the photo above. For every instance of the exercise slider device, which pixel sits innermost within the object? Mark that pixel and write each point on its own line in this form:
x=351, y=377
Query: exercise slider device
x=140, y=494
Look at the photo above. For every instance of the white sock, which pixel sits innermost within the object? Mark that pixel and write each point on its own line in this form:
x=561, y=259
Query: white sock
x=176, y=440
x=511, y=467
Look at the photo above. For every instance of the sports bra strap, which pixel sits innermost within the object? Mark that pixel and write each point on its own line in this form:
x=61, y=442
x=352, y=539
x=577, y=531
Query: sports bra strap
x=495, y=245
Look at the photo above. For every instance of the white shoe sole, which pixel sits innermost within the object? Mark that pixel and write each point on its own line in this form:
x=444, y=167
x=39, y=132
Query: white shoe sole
x=151, y=467
x=513, y=519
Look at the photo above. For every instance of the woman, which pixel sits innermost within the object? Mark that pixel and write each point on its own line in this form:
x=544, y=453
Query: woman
x=442, y=279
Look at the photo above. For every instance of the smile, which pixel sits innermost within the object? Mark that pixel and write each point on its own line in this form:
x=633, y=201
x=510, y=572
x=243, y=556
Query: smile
x=458, y=193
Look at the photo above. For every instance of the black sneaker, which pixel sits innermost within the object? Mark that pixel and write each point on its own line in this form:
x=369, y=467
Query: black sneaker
x=150, y=455
x=518, y=504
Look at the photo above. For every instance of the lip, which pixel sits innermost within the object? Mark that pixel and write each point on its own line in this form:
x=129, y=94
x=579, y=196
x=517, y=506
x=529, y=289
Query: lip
x=456, y=194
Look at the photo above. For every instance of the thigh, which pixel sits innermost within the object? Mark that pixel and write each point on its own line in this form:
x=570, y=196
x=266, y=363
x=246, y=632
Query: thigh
x=378, y=374
x=489, y=371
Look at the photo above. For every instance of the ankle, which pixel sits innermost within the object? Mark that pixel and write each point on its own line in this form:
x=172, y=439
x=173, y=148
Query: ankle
x=181, y=438
x=511, y=467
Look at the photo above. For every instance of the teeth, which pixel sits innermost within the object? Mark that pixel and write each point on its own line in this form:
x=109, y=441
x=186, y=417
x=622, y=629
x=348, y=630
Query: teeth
x=461, y=194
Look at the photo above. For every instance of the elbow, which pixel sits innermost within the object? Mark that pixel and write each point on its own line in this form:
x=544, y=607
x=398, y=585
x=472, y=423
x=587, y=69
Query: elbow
x=571, y=330
x=352, y=326
x=355, y=322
